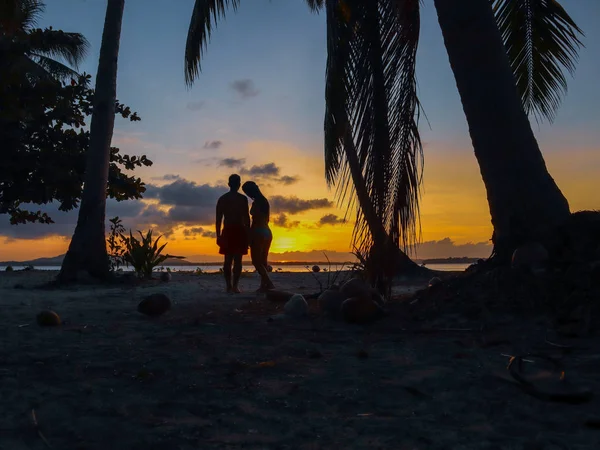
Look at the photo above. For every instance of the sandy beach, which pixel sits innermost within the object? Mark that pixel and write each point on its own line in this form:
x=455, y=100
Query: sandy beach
x=217, y=372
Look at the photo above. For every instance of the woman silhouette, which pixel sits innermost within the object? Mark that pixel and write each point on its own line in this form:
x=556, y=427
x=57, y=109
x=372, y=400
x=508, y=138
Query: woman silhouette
x=260, y=233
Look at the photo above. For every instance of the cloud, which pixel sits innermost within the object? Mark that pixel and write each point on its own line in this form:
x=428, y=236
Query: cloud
x=245, y=88
x=263, y=170
x=185, y=193
x=295, y=205
x=64, y=221
x=188, y=202
x=446, y=248
x=192, y=233
x=330, y=219
x=167, y=177
x=287, y=180
x=213, y=145
x=232, y=162
x=269, y=172
x=195, y=106
x=282, y=221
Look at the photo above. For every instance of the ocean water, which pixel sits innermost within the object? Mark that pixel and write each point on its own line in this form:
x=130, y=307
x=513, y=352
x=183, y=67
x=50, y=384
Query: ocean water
x=283, y=268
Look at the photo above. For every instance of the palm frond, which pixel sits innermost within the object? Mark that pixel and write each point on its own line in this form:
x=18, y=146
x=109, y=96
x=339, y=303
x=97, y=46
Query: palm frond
x=29, y=67
x=541, y=40
x=204, y=18
x=70, y=47
x=20, y=14
x=315, y=5
x=372, y=113
x=54, y=69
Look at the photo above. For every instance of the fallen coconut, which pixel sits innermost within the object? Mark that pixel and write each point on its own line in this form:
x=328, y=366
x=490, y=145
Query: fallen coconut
x=355, y=287
x=330, y=302
x=48, y=319
x=277, y=296
x=296, y=306
x=533, y=256
x=165, y=277
x=154, y=305
x=360, y=310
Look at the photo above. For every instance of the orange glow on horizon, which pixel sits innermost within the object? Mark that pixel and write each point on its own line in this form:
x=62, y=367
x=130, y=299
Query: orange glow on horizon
x=453, y=205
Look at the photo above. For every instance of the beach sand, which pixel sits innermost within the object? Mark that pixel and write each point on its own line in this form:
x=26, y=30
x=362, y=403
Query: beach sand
x=215, y=372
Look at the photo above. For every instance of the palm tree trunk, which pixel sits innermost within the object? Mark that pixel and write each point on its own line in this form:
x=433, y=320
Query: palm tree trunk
x=87, y=251
x=525, y=202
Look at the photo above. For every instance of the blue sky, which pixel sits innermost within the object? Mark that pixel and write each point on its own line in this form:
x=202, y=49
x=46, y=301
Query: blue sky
x=280, y=45
x=277, y=49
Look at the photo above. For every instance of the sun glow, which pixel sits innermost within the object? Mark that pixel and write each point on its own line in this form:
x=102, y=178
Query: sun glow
x=285, y=243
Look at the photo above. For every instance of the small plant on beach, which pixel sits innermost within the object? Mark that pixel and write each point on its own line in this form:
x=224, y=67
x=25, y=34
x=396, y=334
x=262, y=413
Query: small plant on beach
x=143, y=254
x=9, y=269
x=332, y=277
x=116, y=245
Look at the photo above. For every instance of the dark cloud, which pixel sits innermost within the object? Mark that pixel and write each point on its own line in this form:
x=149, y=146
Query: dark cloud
x=295, y=205
x=189, y=203
x=167, y=177
x=213, y=145
x=245, y=88
x=181, y=203
x=196, y=106
x=330, y=219
x=232, y=162
x=64, y=222
x=446, y=248
x=263, y=170
x=192, y=233
x=186, y=193
x=269, y=172
x=287, y=180
x=283, y=221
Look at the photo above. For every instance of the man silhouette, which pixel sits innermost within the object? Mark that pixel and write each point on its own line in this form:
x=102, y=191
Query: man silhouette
x=232, y=211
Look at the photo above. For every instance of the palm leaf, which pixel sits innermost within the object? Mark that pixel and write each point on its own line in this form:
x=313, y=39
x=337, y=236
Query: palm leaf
x=372, y=113
x=316, y=5
x=541, y=41
x=54, y=68
x=70, y=47
x=20, y=14
x=204, y=18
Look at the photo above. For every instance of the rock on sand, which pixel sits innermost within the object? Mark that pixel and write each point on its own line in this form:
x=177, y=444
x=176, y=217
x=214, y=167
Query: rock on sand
x=330, y=302
x=48, y=319
x=360, y=310
x=165, y=277
x=355, y=287
x=296, y=306
x=531, y=256
x=154, y=305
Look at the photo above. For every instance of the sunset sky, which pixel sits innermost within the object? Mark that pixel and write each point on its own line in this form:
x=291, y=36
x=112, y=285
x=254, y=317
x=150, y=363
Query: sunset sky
x=257, y=109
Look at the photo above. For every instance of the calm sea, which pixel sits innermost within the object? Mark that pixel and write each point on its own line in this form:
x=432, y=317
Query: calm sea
x=284, y=268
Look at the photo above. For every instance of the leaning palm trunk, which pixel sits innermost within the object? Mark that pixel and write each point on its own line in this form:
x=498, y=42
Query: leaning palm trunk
x=525, y=202
x=371, y=137
x=87, y=251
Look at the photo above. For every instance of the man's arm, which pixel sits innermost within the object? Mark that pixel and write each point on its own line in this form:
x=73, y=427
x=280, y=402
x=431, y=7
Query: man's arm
x=219, y=219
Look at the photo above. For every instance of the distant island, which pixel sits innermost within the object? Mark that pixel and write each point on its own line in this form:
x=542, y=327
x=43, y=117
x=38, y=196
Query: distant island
x=451, y=260
x=57, y=261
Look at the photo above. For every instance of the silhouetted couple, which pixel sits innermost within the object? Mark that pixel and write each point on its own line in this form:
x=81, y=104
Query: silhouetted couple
x=238, y=233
